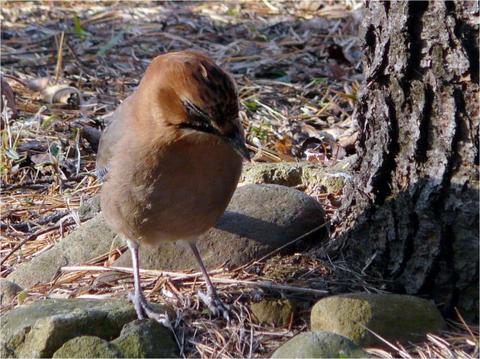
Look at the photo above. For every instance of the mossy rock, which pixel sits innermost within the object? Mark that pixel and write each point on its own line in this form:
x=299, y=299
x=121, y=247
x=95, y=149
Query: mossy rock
x=146, y=339
x=273, y=311
x=292, y=174
x=91, y=239
x=87, y=347
x=37, y=330
x=319, y=345
x=394, y=317
x=285, y=174
x=259, y=219
x=90, y=208
x=8, y=291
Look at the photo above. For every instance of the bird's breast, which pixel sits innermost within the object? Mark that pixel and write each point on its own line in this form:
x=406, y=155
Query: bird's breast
x=174, y=191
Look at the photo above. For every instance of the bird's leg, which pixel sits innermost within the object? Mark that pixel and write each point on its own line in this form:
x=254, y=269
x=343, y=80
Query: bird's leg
x=211, y=298
x=137, y=296
x=142, y=306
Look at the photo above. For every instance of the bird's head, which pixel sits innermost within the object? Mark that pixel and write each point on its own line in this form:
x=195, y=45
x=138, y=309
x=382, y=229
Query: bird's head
x=193, y=93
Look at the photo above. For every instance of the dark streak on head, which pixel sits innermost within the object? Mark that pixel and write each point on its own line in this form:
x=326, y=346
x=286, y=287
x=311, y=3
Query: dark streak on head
x=216, y=94
x=197, y=119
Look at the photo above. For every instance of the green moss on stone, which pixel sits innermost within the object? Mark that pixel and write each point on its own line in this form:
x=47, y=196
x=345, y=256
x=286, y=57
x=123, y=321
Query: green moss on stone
x=39, y=329
x=293, y=174
x=273, y=311
x=319, y=345
x=87, y=347
x=394, y=317
x=146, y=339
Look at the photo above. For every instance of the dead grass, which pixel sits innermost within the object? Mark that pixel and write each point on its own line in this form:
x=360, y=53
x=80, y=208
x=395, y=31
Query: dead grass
x=70, y=64
x=459, y=341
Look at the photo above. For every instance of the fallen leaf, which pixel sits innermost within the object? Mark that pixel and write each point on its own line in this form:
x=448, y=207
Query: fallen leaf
x=7, y=99
x=38, y=84
x=92, y=135
x=62, y=94
x=41, y=158
x=337, y=71
x=284, y=146
x=335, y=52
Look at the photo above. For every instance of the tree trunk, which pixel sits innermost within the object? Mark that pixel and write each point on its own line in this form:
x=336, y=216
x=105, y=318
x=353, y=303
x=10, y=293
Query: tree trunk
x=412, y=212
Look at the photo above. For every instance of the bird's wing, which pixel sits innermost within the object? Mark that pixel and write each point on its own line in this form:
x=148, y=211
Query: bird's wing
x=110, y=136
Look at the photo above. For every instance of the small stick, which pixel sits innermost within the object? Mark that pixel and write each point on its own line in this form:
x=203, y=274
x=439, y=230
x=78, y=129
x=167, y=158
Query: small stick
x=58, y=67
x=173, y=275
x=465, y=324
x=181, y=276
x=384, y=340
x=270, y=285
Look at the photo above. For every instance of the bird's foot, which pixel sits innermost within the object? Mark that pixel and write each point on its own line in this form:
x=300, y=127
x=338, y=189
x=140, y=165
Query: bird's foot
x=215, y=304
x=145, y=310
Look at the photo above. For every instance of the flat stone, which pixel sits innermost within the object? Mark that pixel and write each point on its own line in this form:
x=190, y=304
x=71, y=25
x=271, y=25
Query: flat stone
x=273, y=311
x=319, y=345
x=39, y=329
x=93, y=238
x=146, y=339
x=8, y=291
x=87, y=347
x=394, y=317
x=259, y=219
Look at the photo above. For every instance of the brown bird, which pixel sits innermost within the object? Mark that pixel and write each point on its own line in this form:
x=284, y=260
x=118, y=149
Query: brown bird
x=171, y=158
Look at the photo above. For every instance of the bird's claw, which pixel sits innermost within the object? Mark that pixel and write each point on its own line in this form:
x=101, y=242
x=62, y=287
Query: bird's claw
x=145, y=310
x=216, y=306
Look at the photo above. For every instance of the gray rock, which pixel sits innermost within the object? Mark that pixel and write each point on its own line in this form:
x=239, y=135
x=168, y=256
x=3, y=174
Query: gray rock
x=8, y=291
x=273, y=311
x=260, y=218
x=89, y=208
x=319, y=345
x=88, y=347
x=146, y=339
x=41, y=328
x=91, y=239
x=394, y=317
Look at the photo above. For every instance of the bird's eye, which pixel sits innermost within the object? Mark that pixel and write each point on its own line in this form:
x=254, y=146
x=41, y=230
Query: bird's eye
x=197, y=119
x=195, y=111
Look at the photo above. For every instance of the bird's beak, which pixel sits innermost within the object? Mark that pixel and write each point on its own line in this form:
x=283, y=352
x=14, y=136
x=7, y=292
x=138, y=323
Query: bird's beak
x=238, y=143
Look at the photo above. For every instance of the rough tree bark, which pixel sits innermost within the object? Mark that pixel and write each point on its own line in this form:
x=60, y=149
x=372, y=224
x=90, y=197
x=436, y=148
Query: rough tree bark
x=412, y=213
